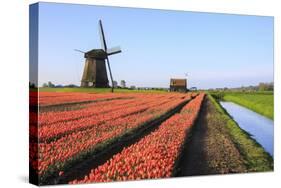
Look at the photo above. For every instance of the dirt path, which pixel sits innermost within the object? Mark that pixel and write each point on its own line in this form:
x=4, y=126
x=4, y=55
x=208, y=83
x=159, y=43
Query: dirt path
x=210, y=149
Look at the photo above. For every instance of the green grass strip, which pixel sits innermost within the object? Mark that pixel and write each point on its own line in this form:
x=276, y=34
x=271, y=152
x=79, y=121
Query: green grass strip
x=255, y=157
x=262, y=104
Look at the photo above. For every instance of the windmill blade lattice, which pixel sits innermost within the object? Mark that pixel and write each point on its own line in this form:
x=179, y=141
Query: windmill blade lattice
x=102, y=37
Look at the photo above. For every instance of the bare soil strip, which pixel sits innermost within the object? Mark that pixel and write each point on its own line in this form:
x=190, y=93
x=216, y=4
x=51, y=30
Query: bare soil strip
x=210, y=149
x=82, y=167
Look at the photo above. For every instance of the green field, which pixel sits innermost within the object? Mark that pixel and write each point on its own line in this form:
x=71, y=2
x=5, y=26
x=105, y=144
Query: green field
x=260, y=102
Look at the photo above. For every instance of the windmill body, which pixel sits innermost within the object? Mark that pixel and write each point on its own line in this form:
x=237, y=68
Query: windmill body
x=95, y=74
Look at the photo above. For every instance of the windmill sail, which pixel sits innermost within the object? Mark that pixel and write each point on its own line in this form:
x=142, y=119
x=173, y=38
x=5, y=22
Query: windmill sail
x=79, y=51
x=114, y=50
x=102, y=37
x=103, y=43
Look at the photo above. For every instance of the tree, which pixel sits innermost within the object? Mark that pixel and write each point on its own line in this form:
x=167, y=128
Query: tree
x=262, y=86
x=45, y=85
x=123, y=83
x=266, y=86
x=115, y=84
x=50, y=84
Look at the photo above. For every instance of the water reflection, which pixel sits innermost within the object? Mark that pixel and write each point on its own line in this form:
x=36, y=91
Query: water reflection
x=260, y=127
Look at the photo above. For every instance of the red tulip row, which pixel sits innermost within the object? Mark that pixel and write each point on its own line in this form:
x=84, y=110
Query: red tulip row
x=94, y=109
x=89, y=110
x=57, y=152
x=154, y=155
x=51, y=98
x=86, y=110
x=56, y=130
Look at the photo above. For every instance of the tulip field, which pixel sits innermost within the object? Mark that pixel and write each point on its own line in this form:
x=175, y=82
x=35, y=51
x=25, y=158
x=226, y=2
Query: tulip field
x=63, y=139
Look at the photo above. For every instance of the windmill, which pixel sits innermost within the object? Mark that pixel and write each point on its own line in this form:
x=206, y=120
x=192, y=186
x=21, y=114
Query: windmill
x=94, y=74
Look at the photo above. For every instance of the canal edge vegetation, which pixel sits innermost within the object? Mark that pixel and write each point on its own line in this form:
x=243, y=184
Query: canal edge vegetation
x=255, y=157
x=260, y=102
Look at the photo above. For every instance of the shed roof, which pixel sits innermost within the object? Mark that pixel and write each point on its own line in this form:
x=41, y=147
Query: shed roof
x=177, y=82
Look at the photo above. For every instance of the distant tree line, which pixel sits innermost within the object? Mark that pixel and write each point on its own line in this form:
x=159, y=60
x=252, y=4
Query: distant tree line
x=51, y=85
x=266, y=86
x=263, y=86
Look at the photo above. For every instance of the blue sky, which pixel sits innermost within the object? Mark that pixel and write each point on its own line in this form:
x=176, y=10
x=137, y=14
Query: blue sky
x=216, y=50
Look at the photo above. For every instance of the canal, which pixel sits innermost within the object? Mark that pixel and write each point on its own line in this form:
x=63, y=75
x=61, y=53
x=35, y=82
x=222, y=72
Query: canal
x=259, y=127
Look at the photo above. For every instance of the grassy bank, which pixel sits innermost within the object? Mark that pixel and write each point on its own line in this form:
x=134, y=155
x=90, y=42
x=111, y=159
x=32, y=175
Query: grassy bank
x=255, y=158
x=262, y=103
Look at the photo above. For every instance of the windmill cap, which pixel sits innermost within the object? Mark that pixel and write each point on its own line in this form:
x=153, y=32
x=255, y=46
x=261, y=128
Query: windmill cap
x=96, y=53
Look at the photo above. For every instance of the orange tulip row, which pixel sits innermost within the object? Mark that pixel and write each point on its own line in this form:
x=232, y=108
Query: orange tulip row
x=51, y=98
x=45, y=98
x=63, y=128
x=102, y=107
x=86, y=110
x=154, y=155
x=91, y=109
x=57, y=152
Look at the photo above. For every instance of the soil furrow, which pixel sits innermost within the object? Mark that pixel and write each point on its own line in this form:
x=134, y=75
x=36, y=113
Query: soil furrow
x=210, y=149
